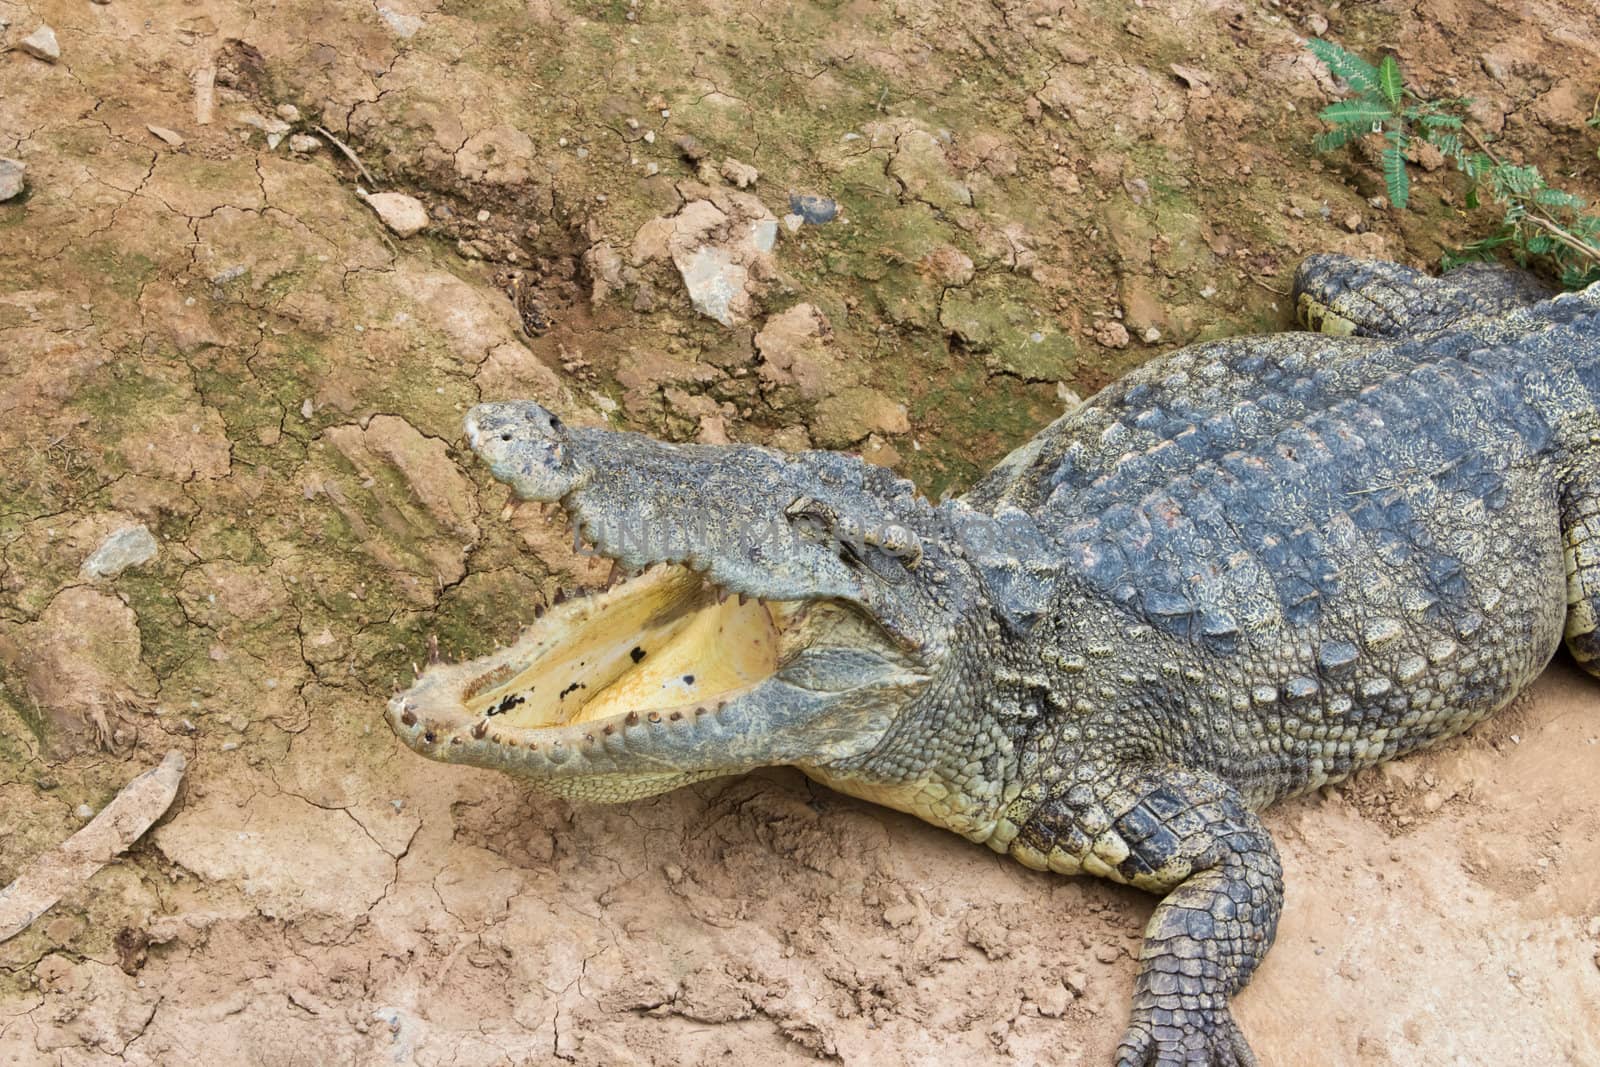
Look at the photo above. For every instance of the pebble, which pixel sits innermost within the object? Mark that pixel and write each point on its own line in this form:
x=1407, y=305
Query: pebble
x=692, y=149
x=303, y=142
x=172, y=137
x=83, y=811
x=1107, y=953
x=126, y=547
x=287, y=112
x=42, y=44
x=1111, y=333
x=1352, y=222
x=13, y=177
x=813, y=209
x=741, y=174
x=403, y=214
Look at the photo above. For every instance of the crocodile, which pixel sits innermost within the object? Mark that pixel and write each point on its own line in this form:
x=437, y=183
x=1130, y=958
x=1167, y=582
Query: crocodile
x=1248, y=568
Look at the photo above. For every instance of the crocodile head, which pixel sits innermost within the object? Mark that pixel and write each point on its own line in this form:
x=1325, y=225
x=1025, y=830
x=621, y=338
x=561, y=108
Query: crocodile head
x=782, y=608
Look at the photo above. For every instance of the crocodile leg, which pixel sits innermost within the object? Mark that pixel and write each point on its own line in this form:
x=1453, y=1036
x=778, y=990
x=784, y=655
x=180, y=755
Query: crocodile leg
x=1190, y=837
x=1339, y=295
x=1580, y=530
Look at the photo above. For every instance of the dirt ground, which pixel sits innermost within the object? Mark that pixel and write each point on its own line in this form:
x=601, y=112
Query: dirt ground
x=234, y=503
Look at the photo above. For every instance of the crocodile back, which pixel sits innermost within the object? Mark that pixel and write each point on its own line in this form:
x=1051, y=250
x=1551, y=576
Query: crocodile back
x=1355, y=542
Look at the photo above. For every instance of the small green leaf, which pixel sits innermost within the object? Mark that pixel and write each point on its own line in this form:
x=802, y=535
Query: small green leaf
x=1395, y=178
x=1355, y=113
x=1355, y=71
x=1336, y=138
x=1390, y=81
x=1559, y=198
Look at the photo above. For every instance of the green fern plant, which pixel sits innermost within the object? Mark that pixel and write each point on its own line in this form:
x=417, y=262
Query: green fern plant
x=1538, y=221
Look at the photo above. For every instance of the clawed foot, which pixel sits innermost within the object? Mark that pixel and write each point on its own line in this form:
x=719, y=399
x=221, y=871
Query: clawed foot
x=1172, y=1036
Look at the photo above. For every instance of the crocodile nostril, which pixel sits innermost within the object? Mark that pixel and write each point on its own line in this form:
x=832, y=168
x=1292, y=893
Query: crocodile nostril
x=505, y=437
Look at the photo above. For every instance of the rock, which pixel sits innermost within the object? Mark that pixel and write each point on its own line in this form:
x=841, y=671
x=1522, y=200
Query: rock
x=171, y=137
x=1352, y=222
x=403, y=214
x=42, y=44
x=287, y=112
x=1317, y=24
x=400, y=23
x=722, y=251
x=13, y=177
x=741, y=174
x=604, y=267
x=124, y=548
x=714, y=282
x=1111, y=333
x=816, y=210
x=303, y=143
x=691, y=149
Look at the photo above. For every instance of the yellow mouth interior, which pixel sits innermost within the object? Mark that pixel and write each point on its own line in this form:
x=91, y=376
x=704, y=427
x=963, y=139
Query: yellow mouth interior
x=662, y=640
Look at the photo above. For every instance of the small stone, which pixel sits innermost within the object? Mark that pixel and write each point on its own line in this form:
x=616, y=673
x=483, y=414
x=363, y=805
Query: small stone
x=303, y=143
x=814, y=209
x=741, y=174
x=792, y=222
x=1107, y=953
x=42, y=44
x=172, y=137
x=1111, y=333
x=287, y=112
x=124, y=548
x=649, y=137
x=83, y=811
x=1317, y=24
x=1151, y=335
x=13, y=177
x=483, y=215
x=1053, y=1000
x=1352, y=222
x=307, y=409
x=403, y=214
x=898, y=915
x=1432, y=801
x=692, y=149
x=229, y=746
x=400, y=23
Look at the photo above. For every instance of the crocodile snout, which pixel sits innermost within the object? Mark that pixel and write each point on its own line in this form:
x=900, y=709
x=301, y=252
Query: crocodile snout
x=525, y=445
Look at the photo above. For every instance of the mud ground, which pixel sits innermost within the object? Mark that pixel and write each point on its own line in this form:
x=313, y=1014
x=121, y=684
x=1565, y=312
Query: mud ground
x=207, y=335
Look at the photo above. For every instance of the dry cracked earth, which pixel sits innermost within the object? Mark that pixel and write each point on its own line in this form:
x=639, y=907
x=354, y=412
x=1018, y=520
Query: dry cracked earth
x=234, y=503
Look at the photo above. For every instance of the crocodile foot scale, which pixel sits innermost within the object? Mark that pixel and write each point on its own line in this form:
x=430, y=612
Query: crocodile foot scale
x=1247, y=569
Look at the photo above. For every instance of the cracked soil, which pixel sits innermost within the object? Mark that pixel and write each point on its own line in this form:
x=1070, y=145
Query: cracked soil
x=206, y=333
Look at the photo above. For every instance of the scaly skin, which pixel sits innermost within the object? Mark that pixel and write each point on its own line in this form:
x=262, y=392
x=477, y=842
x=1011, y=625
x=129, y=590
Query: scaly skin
x=1247, y=569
